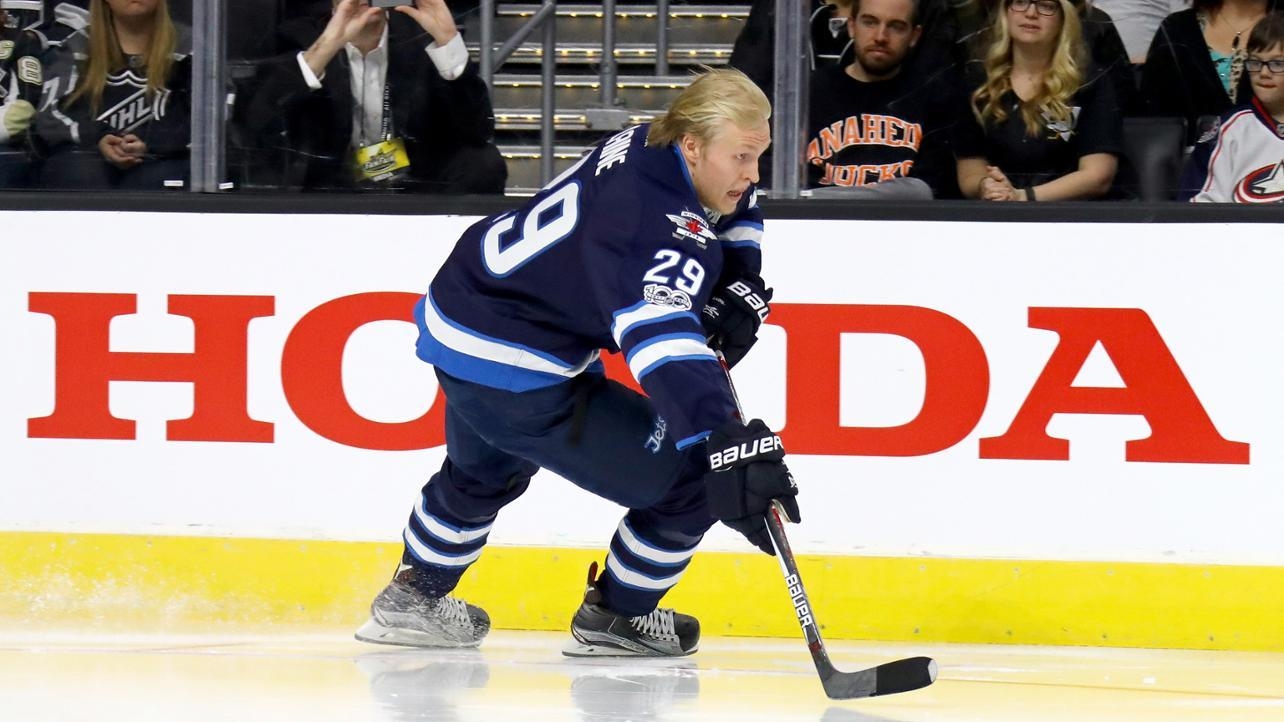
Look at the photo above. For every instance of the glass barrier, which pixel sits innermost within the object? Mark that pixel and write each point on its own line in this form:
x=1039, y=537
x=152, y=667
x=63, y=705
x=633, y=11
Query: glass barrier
x=329, y=95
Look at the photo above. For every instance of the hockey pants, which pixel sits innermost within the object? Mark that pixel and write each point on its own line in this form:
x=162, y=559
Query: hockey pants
x=597, y=433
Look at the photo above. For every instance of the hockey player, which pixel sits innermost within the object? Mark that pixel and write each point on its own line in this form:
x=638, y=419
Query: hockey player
x=1243, y=162
x=653, y=232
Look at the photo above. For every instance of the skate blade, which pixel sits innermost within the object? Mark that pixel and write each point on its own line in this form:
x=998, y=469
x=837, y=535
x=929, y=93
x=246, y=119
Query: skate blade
x=578, y=649
x=376, y=633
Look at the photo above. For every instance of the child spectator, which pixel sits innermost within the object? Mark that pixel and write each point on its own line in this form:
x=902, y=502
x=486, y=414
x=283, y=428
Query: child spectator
x=1244, y=161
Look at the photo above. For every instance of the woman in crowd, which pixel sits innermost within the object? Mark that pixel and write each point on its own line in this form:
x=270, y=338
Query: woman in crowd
x=1195, y=66
x=1049, y=134
x=126, y=122
x=1244, y=161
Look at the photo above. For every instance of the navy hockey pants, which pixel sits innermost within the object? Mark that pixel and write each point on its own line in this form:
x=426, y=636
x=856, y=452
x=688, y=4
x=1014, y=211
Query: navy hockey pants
x=597, y=433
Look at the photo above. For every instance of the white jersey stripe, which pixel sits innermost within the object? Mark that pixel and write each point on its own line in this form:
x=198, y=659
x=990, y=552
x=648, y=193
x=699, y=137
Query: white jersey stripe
x=648, y=552
x=641, y=314
x=427, y=554
x=634, y=578
x=742, y=234
x=462, y=341
x=664, y=349
x=446, y=533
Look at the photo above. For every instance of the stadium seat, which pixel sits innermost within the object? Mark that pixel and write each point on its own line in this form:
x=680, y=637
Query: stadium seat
x=1155, y=148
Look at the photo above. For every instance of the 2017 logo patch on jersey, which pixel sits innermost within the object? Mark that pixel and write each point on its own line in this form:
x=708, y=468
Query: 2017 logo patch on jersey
x=659, y=295
x=692, y=227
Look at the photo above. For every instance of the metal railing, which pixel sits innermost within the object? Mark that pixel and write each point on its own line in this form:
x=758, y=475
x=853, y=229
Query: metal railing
x=210, y=99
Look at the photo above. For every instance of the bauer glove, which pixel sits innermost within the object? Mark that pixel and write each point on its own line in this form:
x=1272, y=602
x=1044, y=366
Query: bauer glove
x=733, y=316
x=746, y=472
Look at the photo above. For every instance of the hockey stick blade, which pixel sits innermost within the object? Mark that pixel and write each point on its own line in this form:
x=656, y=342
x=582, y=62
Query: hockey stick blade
x=902, y=675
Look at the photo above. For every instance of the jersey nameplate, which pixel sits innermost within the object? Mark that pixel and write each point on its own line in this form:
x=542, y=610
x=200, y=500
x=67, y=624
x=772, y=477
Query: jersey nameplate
x=615, y=149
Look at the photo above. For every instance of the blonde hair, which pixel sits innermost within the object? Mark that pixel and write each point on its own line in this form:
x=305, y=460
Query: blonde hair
x=717, y=95
x=1061, y=80
x=106, y=56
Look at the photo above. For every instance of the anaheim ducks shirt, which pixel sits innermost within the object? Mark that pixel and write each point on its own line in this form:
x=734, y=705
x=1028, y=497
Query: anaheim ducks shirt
x=904, y=127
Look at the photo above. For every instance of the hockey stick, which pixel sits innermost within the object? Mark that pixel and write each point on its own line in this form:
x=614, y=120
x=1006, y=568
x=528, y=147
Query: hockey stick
x=902, y=675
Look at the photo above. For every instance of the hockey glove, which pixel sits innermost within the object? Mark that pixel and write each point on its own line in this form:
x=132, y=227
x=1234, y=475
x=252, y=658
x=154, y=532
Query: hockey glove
x=733, y=316
x=746, y=472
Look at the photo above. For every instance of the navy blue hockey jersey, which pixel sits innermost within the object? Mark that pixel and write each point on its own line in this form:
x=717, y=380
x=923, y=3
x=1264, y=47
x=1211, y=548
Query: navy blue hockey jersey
x=616, y=253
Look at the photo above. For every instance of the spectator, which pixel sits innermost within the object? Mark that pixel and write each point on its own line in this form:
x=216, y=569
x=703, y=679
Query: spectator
x=1244, y=161
x=1137, y=21
x=21, y=75
x=1194, y=69
x=1048, y=134
x=362, y=87
x=1106, y=51
x=754, y=50
x=879, y=128
x=126, y=123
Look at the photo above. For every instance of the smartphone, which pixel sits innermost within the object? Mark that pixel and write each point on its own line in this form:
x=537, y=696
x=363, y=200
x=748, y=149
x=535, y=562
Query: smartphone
x=390, y=3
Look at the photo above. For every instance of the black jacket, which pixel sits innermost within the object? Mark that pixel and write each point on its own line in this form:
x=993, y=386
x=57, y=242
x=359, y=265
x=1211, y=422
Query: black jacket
x=433, y=115
x=1179, y=78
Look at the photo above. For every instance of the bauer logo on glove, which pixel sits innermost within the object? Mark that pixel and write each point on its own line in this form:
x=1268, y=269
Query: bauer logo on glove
x=751, y=299
x=745, y=452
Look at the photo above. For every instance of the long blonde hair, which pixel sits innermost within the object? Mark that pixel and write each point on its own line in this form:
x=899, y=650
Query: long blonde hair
x=718, y=95
x=1061, y=81
x=106, y=56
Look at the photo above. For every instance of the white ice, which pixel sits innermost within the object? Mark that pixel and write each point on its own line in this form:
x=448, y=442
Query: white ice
x=285, y=675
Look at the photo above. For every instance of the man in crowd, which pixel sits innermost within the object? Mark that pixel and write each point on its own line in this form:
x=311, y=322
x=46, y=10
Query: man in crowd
x=878, y=127
x=377, y=99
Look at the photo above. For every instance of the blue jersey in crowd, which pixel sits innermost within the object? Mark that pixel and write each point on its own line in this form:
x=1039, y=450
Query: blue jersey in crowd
x=616, y=253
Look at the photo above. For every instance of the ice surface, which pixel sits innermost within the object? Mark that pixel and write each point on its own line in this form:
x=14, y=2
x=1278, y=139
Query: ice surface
x=321, y=676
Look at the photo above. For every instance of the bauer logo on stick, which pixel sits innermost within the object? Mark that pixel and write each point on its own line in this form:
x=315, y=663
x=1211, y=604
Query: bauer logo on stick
x=799, y=599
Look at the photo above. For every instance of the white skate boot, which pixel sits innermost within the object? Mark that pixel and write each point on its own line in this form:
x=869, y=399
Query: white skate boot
x=403, y=615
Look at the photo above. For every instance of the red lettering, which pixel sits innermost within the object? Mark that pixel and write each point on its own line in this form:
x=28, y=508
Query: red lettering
x=85, y=364
x=957, y=379
x=1154, y=387
x=312, y=375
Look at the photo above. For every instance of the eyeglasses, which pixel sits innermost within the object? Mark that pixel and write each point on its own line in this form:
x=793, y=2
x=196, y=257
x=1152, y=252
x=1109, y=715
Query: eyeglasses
x=1044, y=7
x=1255, y=66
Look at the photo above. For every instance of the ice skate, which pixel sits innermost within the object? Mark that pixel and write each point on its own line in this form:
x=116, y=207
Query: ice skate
x=403, y=615
x=599, y=632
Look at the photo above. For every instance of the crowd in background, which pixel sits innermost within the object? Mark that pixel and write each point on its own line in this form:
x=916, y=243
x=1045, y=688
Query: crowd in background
x=999, y=100
x=1027, y=100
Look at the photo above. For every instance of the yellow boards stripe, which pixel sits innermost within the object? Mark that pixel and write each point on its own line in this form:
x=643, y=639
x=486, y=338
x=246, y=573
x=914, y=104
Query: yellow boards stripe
x=159, y=583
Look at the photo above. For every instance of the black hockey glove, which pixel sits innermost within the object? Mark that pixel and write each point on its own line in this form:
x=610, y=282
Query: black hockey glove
x=746, y=472
x=733, y=316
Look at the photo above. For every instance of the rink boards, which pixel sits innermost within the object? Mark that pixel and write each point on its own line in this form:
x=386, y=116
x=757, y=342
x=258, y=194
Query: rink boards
x=1002, y=432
